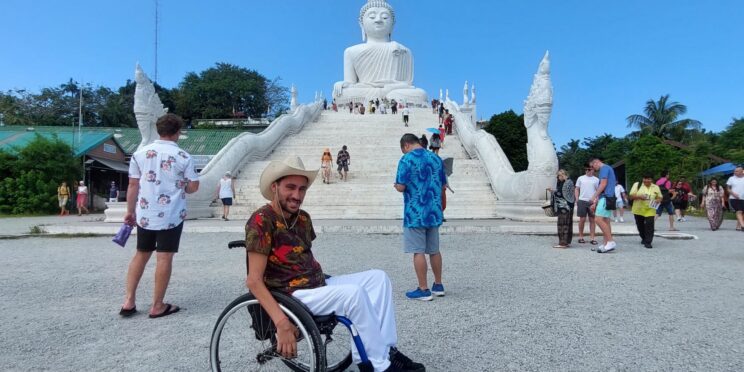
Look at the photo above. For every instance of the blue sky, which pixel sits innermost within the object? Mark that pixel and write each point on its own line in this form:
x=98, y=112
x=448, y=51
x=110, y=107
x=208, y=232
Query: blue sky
x=608, y=57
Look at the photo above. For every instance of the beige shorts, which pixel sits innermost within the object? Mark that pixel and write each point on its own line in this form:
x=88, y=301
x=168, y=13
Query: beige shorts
x=62, y=200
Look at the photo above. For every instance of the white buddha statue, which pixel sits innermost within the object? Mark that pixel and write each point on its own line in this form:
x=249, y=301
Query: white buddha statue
x=379, y=68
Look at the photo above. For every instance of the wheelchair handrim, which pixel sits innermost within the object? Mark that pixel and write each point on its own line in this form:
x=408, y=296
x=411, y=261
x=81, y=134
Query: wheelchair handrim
x=214, y=345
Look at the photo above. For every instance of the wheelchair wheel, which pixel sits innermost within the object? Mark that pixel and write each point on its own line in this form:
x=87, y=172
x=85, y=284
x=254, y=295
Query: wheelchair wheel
x=243, y=338
x=337, y=348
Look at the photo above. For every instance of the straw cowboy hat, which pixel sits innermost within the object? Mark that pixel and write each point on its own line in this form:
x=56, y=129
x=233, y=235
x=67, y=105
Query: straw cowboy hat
x=290, y=166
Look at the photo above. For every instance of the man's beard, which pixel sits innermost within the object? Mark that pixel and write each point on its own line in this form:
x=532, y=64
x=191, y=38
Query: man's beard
x=285, y=208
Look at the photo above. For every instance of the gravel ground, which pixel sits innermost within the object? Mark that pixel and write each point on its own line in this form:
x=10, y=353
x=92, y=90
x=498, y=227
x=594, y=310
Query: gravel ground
x=512, y=303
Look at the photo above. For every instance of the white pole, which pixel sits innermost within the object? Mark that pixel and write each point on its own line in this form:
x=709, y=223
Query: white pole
x=80, y=125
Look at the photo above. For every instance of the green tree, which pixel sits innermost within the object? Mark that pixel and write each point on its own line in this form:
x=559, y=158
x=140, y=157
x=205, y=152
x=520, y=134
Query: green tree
x=226, y=91
x=32, y=176
x=730, y=142
x=574, y=155
x=662, y=119
x=509, y=130
x=650, y=154
x=12, y=107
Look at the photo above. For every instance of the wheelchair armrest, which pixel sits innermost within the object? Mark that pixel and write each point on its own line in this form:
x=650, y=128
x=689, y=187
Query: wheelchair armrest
x=236, y=244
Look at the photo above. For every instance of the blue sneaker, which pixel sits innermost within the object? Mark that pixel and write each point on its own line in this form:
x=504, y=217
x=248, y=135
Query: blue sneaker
x=419, y=294
x=437, y=290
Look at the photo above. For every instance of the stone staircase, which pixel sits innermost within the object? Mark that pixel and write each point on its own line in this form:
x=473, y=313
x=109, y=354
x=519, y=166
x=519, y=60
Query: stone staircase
x=373, y=142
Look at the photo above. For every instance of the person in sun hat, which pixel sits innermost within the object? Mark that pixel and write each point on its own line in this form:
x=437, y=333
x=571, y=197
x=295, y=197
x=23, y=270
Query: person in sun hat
x=326, y=162
x=279, y=257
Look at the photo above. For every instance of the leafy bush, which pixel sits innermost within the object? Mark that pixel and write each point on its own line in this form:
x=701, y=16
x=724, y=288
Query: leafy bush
x=32, y=176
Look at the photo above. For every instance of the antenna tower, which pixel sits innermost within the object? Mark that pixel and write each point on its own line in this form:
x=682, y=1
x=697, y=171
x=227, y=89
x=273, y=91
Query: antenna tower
x=157, y=21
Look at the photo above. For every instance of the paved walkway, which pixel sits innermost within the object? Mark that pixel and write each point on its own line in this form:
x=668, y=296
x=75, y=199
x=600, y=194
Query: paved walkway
x=513, y=303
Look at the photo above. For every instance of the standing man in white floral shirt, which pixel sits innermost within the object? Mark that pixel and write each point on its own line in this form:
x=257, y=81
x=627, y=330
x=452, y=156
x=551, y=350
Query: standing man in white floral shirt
x=160, y=176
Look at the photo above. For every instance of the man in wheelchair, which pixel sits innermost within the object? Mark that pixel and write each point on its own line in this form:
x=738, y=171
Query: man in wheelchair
x=278, y=241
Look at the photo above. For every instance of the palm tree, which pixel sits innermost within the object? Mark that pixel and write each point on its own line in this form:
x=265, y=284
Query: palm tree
x=661, y=119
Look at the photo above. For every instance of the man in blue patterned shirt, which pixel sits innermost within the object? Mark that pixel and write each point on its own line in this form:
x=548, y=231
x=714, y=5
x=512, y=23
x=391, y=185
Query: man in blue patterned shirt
x=421, y=179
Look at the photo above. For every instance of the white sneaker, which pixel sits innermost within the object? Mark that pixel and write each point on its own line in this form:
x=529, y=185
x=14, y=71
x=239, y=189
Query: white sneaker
x=622, y=220
x=608, y=247
x=684, y=219
x=614, y=220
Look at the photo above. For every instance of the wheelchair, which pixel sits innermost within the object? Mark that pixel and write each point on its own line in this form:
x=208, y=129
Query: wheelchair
x=244, y=338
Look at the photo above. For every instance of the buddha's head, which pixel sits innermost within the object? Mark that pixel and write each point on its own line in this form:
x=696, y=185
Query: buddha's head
x=376, y=18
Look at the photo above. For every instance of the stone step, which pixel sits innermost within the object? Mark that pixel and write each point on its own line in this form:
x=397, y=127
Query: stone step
x=373, y=142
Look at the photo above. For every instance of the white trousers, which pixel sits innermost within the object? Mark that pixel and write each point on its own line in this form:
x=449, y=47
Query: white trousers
x=365, y=298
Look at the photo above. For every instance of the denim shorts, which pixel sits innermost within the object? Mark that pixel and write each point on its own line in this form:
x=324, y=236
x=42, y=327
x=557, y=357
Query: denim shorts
x=665, y=207
x=421, y=240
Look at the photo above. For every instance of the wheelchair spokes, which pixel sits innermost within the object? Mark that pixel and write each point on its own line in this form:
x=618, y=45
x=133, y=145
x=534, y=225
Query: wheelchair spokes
x=244, y=340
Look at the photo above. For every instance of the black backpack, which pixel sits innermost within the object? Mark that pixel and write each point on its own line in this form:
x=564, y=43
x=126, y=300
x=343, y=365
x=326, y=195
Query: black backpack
x=666, y=196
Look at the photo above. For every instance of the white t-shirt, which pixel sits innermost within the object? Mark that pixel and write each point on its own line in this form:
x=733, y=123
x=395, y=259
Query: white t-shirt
x=164, y=171
x=737, y=185
x=587, y=187
x=619, y=190
x=226, y=188
x=406, y=111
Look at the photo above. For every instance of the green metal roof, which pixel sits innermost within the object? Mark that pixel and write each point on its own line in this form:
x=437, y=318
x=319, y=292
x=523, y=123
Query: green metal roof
x=13, y=138
x=196, y=141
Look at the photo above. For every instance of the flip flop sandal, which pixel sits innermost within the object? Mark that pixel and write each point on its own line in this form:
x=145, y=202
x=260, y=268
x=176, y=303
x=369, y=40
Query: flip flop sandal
x=169, y=309
x=126, y=313
x=582, y=241
x=594, y=242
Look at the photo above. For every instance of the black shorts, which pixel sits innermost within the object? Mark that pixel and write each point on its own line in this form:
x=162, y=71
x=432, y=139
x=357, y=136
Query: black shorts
x=343, y=167
x=159, y=240
x=737, y=205
x=681, y=205
x=226, y=201
x=583, y=208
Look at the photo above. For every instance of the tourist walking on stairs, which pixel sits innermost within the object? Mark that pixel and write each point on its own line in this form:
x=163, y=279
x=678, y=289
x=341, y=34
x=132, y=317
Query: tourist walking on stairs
x=712, y=203
x=343, y=160
x=435, y=143
x=564, y=199
x=406, y=112
x=326, y=162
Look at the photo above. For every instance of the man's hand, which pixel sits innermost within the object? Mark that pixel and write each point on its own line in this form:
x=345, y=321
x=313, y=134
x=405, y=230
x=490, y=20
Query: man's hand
x=399, y=187
x=130, y=219
x=286, y=338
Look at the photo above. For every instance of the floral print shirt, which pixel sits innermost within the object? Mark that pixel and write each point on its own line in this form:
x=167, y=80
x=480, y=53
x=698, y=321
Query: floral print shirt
x=291, y=264
x=164, y=170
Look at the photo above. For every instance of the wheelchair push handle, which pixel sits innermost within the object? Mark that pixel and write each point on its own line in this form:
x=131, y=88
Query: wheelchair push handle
x=236, y=244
